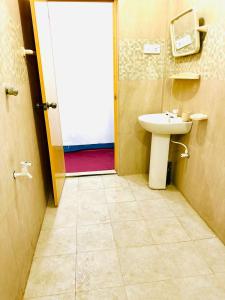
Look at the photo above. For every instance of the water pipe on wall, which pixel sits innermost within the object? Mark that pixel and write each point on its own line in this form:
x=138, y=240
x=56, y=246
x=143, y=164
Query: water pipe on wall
x=185, y=154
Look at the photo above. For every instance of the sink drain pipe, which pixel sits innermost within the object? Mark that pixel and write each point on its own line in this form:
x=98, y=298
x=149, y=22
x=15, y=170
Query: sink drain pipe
x=186, y=152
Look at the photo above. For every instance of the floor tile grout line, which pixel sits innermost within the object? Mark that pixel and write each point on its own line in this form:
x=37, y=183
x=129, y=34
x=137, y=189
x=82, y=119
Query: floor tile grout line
x=122, y=201
x=57, y=255
x=188, y=234
x=52, y=256
x=200, y=255
x=220, y=273
x=210, y=231
x=93, y=224
x=117, y=254
x=133, y=195
x=96, y=250
x=218, y=282
x=100, y=289
x=117, y=249
x=136, y=284
x=203, y=256
x=171, y=278
x=57, y=228
x=204, y=238
x=89, y=224
x=121, y=221
x=150, y=232
x=75, y=292
x=119, y=262
x=155, y=200
x=48, y=295
x=109, y=222
x=137, y=247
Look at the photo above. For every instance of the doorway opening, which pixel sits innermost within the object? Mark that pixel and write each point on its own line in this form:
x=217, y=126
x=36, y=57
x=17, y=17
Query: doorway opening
x=82, y=36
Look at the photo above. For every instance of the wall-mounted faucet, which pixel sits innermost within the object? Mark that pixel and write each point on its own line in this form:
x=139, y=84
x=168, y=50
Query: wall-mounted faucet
x=24, y=170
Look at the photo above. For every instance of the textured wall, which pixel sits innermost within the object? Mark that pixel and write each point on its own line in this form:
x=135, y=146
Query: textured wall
x=140, y=78
x=202, y=178
x=22, y=201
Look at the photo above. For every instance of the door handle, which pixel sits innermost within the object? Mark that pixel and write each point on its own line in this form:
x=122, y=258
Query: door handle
x=46, y=106
x=51, y=105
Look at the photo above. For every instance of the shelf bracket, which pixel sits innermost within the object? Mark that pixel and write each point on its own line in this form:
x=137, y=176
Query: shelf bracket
x=203, y=28
x=26, y=52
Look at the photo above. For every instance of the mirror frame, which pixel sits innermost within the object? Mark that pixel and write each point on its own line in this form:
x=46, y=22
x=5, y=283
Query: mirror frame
x=196, y=34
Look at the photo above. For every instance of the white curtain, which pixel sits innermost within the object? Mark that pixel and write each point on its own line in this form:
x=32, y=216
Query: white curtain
x=82, y=38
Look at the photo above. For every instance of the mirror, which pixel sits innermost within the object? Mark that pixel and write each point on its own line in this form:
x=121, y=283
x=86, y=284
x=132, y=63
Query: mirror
x=185, y=36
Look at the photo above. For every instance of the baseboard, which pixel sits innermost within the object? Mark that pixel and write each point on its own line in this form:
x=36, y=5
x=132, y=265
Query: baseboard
x=77, y=174
x=73, y=148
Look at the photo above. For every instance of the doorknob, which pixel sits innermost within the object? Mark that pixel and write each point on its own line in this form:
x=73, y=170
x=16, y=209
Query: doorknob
x=52, y=105
x=46, y=105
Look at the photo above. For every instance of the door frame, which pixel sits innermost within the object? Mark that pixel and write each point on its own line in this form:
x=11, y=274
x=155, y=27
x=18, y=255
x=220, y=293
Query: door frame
x=115, y=68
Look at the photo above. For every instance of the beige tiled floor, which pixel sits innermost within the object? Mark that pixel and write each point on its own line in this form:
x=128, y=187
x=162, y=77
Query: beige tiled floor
x=112, y=238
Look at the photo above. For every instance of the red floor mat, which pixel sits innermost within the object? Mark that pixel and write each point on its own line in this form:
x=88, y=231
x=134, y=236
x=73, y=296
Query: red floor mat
x=89, y=160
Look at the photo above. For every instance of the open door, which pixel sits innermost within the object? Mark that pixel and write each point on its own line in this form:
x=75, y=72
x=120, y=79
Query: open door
x=42, y=34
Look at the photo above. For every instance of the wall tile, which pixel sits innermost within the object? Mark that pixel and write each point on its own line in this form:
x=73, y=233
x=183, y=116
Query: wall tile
x=23, y=201
x=135, y=65
x=140, y=78
x=201, y=178
x=9, y=284
x=208, y=62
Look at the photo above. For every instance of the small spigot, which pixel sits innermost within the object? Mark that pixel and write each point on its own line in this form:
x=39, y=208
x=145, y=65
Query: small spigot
x=24, y=170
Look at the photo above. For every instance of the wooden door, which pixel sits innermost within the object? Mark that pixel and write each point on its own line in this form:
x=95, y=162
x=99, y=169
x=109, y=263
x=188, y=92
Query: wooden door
x=42, y=34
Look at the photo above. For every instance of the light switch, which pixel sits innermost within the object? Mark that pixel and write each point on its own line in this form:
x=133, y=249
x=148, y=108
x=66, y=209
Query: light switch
x=152, y=48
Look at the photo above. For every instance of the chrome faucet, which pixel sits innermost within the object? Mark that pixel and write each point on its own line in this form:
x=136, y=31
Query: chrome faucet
x=172, y=114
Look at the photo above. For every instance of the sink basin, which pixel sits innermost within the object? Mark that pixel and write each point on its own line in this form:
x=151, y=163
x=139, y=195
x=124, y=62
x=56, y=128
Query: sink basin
x=164, y=124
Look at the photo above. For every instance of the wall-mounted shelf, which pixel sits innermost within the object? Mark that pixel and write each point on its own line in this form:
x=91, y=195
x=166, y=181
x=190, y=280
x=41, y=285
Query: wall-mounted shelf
x=26, y=52
x=199, y=117
x=186, y=75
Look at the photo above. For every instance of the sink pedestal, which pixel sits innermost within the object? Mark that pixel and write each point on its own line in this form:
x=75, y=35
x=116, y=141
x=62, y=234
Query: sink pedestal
x=162, y=126
x=159, y=161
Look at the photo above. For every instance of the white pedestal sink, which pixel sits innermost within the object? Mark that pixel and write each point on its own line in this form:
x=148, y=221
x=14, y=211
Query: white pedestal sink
x=162, y=126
